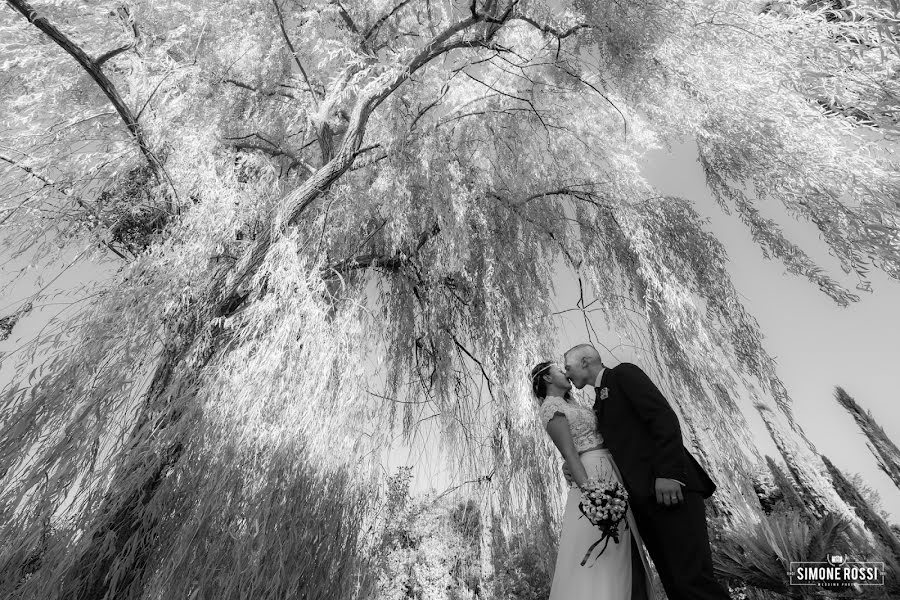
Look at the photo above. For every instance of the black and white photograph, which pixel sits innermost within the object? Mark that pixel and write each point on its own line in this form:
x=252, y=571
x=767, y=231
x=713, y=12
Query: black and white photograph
x=449, y=299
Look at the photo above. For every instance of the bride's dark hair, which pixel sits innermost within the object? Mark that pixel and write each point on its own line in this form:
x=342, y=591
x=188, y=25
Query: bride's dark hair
x=538, y=384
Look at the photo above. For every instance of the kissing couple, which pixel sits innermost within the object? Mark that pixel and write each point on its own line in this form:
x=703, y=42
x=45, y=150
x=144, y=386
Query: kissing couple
x=631, y=437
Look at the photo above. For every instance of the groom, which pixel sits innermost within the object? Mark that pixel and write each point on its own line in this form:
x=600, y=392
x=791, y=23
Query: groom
x=666, y=485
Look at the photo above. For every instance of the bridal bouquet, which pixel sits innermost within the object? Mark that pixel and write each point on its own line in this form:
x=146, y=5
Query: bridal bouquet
x=604, y=503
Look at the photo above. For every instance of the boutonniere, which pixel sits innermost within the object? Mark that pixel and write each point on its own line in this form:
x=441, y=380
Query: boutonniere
x=604, y=393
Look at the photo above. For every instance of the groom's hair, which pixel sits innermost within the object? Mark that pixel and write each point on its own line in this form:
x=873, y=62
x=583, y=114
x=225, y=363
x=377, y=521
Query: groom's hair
x=587, y=349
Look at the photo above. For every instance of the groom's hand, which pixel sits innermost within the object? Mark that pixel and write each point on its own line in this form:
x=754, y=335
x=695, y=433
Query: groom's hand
x=668, y=491
x=567, y=473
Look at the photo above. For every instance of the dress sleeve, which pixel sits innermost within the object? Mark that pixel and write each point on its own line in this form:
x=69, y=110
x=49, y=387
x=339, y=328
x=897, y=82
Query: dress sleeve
x=548, y=409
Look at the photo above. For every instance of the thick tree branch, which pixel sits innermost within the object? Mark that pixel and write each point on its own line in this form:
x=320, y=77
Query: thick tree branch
x=289, y=210
x=439, y=45
x=128, y=21
x=348, y=20
x=86, y=62
x=94, y=70
x=362, y=164
x=392, y=262
x=381, y=20
x=295, y=203
x=557, y=33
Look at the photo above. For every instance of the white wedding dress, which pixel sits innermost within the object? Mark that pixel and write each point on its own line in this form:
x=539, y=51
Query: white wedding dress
x=609, y=576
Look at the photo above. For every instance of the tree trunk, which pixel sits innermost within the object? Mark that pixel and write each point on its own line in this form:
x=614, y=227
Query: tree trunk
x=486, y=554
x=120, y=521
x=163, y=408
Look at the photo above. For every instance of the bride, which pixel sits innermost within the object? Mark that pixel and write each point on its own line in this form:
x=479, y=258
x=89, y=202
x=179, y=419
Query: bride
x=621, y=572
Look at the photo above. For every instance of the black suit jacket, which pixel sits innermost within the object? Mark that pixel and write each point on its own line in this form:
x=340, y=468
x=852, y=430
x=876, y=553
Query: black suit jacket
x=643, y=434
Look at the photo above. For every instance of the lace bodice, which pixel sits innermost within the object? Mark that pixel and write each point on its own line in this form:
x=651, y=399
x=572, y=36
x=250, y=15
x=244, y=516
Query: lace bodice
x=582, y=421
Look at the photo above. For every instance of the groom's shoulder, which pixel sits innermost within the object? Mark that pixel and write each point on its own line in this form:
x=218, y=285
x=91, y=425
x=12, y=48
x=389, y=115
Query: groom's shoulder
x=629, y=371
x=625, y=367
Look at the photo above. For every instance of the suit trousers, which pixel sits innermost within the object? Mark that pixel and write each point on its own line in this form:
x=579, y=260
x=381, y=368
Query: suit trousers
x=677, y=540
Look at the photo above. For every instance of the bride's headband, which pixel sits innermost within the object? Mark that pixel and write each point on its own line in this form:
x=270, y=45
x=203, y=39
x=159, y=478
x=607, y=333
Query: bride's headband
x=541, y=370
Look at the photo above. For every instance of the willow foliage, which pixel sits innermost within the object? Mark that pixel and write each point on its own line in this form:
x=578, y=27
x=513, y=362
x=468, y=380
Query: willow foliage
x=331, y=219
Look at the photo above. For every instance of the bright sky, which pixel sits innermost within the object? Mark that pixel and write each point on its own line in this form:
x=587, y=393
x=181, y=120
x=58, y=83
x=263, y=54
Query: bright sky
x=818, y=345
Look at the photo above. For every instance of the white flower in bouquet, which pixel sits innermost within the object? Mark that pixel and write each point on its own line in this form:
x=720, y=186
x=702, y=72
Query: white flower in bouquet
x=605, y=504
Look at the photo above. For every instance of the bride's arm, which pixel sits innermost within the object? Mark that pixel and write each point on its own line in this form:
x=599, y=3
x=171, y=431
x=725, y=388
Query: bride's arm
x=558, y=428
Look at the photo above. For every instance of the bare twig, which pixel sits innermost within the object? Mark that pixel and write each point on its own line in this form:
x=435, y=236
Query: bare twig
x=587, y=83
x=483, y=479
x=249, y=87
x=273, y=149
x=484, y=374
x=290, y=45
x=47, y=181
x=111, y=53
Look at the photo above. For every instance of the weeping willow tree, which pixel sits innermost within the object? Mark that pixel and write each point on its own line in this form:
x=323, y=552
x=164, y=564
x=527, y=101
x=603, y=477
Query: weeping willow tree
x=331, y=220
